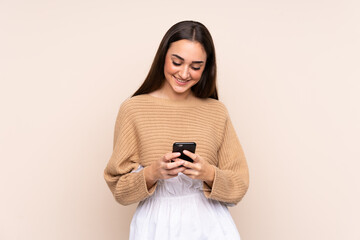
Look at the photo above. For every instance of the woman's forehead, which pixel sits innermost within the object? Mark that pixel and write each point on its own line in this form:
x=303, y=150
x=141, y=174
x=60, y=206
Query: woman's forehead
x=187, y=50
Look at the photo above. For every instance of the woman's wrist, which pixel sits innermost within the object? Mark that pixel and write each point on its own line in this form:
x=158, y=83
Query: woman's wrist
x=210, y=176
x=149, y=177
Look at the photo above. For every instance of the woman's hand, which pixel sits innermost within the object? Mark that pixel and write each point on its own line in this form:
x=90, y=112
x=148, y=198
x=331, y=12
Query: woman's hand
x=164, y=168
x=199, y=169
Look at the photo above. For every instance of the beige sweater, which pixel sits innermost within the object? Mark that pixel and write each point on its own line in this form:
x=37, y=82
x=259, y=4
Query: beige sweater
x=147, y=127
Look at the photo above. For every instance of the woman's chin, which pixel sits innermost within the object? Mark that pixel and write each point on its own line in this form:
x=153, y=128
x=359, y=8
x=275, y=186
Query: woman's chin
x=180, y=90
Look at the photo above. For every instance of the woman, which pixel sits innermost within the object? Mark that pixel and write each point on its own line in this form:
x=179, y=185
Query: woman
x=178, y=102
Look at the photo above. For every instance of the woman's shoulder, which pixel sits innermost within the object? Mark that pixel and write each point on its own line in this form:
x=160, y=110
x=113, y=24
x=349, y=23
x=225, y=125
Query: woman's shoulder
x=133, y=102
x=216, y=106
x=216, y=103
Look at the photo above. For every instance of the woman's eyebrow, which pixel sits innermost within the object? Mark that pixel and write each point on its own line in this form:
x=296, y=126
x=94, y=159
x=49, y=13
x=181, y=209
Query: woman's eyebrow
x=182, y=59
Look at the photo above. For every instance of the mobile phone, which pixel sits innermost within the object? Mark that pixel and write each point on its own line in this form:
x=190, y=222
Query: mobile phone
x=181, y=146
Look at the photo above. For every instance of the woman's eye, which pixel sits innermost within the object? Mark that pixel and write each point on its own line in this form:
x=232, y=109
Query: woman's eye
x=195, y=68
x=176, y=64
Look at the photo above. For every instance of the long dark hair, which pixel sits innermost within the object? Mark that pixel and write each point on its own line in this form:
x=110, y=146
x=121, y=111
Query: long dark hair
x=193, y=31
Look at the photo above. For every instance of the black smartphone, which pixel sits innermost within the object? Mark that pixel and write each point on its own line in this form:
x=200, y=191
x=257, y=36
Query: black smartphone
x=181, y=146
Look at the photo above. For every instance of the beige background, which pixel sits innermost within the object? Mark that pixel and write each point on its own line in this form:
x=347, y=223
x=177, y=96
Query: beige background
x=288, y=73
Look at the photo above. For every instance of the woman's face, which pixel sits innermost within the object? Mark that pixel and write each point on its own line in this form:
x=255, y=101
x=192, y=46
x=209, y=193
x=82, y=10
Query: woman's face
x=184, y=63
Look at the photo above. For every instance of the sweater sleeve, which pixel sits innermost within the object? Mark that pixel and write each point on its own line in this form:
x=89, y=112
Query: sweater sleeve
x=231, y=175
x=126, y=185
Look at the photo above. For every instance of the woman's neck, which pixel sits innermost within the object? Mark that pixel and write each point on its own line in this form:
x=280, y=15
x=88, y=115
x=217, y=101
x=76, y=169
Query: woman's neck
x=162, y=93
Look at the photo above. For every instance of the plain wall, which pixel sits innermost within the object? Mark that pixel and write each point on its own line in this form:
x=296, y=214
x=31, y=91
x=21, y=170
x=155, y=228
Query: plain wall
x=288, y=73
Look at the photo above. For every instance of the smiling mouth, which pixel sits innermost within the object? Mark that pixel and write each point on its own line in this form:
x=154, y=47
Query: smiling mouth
x=181, y=81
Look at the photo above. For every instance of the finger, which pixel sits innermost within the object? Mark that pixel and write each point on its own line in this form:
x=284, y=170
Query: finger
x=170, y=156
x=174, y=164
x=188, y=164
x=177, y=159
x=191, y=173
x=193, y=156
x=176, y=171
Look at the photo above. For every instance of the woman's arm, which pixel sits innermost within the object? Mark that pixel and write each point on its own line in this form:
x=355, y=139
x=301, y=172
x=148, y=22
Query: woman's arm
x=127, y=187
x=231, y=179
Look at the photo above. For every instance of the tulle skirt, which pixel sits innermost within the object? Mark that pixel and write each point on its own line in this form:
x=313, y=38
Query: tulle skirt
x=178, y=209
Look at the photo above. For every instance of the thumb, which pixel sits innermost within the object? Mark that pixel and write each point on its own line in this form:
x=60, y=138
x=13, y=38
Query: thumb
x=193, y=156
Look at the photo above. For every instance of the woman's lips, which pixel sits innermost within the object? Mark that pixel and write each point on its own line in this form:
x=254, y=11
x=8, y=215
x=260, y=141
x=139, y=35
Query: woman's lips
x=181, y=82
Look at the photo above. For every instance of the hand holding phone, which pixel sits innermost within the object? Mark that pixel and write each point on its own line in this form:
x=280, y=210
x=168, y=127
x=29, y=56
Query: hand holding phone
x=181, y=146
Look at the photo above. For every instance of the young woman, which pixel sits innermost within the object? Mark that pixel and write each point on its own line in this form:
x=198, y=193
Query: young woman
x=178, y=102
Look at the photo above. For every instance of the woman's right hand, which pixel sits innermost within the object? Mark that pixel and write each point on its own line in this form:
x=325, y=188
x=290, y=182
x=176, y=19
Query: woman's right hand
x=168, y=166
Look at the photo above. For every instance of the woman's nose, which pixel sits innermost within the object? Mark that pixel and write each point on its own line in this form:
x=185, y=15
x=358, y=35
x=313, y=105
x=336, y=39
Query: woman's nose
x=184, y=73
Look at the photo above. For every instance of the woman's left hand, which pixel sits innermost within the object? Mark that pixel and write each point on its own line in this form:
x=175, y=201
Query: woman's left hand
x=199, y=169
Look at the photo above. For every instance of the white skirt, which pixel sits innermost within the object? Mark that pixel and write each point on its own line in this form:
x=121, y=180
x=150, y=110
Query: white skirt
x=178, y=209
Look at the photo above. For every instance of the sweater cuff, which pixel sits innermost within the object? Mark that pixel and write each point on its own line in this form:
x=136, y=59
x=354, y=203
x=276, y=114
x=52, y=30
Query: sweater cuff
x=208, y=191
x=150, y=191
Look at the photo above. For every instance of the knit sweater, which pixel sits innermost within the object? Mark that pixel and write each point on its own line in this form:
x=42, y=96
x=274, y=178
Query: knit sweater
x=145, y=130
